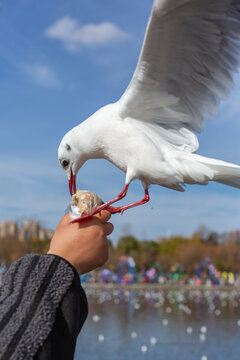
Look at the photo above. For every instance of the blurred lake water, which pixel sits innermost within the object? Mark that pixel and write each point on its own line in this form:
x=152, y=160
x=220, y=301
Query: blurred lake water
x=164, y=325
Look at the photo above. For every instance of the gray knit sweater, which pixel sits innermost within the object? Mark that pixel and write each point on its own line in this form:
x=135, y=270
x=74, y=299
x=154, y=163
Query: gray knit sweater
x=42, y=309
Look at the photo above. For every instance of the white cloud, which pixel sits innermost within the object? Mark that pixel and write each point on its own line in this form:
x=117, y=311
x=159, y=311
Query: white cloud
x=24, y=170
x=73, y=35
x=42, y=75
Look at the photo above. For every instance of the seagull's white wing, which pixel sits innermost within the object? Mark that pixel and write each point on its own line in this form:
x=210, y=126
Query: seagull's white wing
x=189, y=54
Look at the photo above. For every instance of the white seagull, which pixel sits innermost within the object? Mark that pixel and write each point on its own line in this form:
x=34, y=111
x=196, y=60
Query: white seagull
x=188, y=57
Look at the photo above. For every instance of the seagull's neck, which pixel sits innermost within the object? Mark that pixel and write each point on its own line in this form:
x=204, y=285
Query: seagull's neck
x=87, y=140
x=101, y=136
x=89, y=135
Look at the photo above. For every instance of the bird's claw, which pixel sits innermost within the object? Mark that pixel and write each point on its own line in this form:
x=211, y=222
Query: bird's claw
x=113, y=210
x=81, y=219
x=87, y=216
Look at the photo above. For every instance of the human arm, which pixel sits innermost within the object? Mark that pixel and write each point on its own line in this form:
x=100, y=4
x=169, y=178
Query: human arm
x=42, y=304
x=84, y=244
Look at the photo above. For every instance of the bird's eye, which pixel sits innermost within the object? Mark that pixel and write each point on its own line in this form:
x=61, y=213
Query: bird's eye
x=65, y=163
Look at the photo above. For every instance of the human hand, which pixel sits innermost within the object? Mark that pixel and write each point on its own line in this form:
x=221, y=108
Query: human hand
x=85, y=244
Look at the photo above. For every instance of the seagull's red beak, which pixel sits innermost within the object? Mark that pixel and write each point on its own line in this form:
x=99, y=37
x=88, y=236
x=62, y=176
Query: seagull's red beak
x=72, y=184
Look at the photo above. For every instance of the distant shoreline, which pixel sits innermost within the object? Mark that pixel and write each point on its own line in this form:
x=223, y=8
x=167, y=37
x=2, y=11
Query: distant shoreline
x=159, y=287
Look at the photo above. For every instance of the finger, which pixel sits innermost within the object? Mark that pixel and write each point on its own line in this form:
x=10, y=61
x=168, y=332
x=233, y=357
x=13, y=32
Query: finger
x=103, y=216
x=108, y=228
x=65, y=219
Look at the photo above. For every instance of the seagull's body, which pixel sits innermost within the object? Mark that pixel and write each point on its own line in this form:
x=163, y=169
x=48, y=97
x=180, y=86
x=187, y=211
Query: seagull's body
x=137, y=150
x=190, y=52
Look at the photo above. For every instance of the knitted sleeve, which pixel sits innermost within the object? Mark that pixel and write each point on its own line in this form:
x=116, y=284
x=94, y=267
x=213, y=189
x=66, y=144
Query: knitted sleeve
x=41, y=303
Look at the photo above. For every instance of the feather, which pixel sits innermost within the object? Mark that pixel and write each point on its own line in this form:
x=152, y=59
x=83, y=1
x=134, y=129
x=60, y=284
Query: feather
x=186, y=66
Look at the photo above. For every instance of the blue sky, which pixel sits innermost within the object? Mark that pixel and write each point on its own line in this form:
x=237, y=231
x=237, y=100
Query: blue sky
x=59, y=62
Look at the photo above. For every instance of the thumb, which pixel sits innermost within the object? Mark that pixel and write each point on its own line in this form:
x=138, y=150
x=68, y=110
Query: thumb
x=65, y=220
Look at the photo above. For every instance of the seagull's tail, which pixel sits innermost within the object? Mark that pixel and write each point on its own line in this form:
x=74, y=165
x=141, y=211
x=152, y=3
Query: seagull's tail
x=208, y=169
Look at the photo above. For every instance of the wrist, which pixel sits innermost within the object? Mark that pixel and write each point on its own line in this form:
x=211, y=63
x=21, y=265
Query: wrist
x=66, y=259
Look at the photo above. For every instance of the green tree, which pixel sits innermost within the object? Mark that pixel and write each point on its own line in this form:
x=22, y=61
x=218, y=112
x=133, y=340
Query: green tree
x=128, y=244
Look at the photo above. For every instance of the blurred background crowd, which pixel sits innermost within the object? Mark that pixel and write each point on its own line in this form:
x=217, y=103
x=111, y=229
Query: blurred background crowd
x=128, y=273
x=204, y=258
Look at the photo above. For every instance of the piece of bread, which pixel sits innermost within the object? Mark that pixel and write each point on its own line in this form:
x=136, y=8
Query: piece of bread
x=84, y=201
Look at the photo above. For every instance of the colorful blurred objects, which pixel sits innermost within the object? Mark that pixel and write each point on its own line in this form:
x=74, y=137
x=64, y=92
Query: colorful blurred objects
x=127, y=273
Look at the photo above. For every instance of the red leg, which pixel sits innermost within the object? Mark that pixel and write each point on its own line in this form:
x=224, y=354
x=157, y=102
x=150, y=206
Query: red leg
x=121, y=209
x=103, y=206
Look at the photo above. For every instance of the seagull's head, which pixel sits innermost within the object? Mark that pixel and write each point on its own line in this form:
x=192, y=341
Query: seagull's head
x=71, y=160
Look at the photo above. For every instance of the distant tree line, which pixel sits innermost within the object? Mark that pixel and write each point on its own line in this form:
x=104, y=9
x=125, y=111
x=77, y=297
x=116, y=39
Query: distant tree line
x=186, y=251
x=12, y=249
